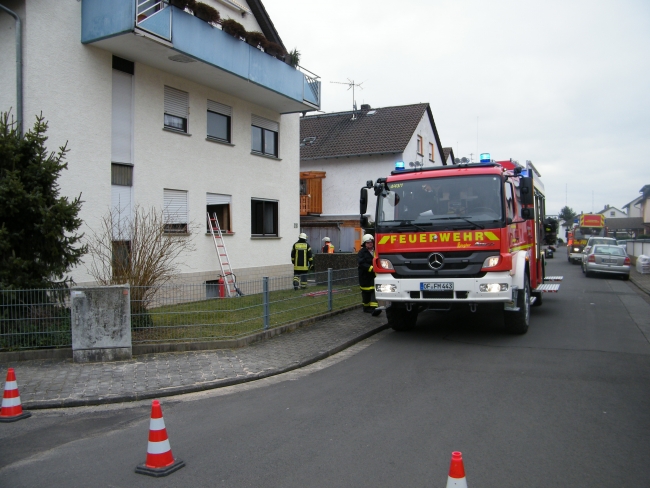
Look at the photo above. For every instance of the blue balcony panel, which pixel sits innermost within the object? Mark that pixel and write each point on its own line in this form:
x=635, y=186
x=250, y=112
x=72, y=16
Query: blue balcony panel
x=159, y=23
x=198, y=52
x=101, y=19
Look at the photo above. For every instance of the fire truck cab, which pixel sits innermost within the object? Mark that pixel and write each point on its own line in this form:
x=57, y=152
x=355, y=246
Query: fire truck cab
x=466, y=235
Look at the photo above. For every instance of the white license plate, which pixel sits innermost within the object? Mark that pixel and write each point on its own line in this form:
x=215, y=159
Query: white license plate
x=446, y=286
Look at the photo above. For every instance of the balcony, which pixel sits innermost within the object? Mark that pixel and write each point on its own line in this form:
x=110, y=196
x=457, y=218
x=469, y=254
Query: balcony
x=311, y=192
x=171, y=40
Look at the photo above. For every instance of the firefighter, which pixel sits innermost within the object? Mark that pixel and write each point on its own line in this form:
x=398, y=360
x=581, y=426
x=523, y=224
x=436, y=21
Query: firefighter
x=302, y=260
x=367, y=275
x=328, y=248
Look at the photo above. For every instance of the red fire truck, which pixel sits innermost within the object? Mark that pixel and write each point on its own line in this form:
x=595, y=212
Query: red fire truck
x=465, y=235
x=589, y=225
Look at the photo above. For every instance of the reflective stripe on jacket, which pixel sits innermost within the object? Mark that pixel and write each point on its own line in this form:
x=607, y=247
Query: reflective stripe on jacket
x=301, y=256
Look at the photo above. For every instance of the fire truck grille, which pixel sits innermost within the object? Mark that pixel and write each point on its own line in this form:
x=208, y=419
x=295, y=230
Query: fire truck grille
x=454, y=264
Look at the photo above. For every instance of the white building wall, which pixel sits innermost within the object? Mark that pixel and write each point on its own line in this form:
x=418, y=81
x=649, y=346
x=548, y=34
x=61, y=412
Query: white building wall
x=634, y=209
x=425, y=130
x=71, y=84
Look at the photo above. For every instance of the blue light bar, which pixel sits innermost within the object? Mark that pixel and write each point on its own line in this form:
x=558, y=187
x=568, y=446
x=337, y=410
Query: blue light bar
x=524, y=173
x=399, y=166
x=485, y=158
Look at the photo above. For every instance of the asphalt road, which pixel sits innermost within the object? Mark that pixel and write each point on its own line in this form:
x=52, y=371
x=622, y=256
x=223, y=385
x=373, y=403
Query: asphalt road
x=567, y=404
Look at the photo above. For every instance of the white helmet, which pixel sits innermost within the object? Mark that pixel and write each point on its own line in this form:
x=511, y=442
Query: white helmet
x=302, y=236
x=326, y=239
x=366, y=238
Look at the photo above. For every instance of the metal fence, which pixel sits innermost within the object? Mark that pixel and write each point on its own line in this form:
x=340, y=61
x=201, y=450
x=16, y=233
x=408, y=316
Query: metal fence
x=33, y=319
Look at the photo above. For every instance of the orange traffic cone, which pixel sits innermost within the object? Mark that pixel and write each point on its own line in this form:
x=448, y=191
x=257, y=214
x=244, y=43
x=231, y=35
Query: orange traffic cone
x=11, y=409
x=456, y=471
x=160, y=461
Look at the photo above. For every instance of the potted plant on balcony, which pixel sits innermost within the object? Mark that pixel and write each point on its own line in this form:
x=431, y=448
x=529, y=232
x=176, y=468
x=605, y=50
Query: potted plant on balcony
x=293, y=58
x=183, y=4
x=275, y=49
x=233, y=28
x=256, y=39
x=206, y=13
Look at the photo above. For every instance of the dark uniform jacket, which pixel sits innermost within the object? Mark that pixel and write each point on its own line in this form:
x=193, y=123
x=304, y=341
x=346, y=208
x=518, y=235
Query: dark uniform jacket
x=366, y=274
x=301, y=256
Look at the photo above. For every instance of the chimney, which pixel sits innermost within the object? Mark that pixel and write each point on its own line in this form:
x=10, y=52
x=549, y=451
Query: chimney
x=365, y=106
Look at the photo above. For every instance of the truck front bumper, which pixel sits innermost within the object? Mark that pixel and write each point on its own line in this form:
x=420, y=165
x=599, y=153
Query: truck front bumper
x=493, y=287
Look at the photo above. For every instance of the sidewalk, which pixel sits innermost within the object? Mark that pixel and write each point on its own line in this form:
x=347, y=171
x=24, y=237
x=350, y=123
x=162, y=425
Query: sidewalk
x=62, y=383
x=640, y=280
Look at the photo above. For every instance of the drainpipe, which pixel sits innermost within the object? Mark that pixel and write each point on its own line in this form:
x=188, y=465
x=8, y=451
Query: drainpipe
x=19, y=69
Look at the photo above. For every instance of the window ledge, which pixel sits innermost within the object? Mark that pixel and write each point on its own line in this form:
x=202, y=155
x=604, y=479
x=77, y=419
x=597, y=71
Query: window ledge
x=266, y=237
x=420, y=154
x=219, y=141
x=208, y=233
x=176, y=234
x=180, y=132
x=265, y=156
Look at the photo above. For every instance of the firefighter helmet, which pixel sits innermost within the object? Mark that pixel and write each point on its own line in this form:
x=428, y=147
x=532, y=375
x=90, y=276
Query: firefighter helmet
x=326, y=239
x=302, y=236
x=366, y=238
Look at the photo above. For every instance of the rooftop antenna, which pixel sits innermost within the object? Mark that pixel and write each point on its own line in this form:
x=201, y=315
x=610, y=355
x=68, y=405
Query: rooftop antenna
x=351, y=84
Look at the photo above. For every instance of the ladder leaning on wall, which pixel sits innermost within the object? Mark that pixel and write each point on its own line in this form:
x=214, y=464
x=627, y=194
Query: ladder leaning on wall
x=222, y=254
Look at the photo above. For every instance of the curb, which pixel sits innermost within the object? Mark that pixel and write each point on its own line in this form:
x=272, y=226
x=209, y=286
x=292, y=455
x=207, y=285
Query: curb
x=201, y=387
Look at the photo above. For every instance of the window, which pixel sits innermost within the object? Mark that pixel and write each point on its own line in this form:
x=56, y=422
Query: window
x=177, y=108
x=121, y=258
x=175, y=211
x=121, y=200
x=510, y=202
x=420, y=146
x=219, y=205
x=612, y=213
x=264, y=218
x=264, y=136
x=219, y=117
x=431, y=152
x=122, y=111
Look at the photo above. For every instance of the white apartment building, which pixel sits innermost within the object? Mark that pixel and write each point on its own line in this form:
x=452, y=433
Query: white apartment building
x=162, y=109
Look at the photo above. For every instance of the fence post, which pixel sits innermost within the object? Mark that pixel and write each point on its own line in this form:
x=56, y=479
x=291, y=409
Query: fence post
x=265, y=302
x=329, y=289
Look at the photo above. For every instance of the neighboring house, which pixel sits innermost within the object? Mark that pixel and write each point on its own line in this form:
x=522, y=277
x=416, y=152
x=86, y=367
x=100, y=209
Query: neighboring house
x=339, y=152
x=162, y=109
x=633, y=209
x=449, y=155
x=645, y=207
x=612, y=213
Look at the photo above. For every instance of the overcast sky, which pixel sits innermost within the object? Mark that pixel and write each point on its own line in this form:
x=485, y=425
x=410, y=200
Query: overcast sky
x=564, y=84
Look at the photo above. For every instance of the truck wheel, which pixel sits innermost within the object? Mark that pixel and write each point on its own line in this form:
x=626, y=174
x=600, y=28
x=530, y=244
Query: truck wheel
x=517, y=322
x=401, y=319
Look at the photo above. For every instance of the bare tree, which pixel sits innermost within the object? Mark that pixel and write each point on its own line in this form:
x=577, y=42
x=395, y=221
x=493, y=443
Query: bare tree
x=142, y=249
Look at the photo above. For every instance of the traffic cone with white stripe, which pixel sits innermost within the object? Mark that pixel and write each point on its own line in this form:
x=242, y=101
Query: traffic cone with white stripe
x=12, y=409
x=160, y=461
x=456, y=471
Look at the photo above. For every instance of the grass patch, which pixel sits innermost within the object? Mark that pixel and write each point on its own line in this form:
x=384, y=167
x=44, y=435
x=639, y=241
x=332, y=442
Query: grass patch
x=229, y=318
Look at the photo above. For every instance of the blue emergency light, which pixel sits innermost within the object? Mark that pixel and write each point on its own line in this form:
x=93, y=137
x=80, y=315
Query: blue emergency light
x=485, y=158
x=524, y=173
x=399, y=166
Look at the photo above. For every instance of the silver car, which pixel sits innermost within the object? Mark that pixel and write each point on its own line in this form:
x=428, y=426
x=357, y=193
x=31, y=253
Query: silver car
x=607, y=259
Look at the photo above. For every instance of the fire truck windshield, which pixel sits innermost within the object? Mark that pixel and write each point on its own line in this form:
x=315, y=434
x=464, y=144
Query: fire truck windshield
x=443, y=202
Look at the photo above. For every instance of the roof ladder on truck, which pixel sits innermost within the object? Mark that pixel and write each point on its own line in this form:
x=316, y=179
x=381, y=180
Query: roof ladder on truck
x=222, y=254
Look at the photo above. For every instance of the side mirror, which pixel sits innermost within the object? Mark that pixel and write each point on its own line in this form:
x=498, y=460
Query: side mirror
x=363, y=201
x=364, y=224
x=528, y=213
x=526, y=190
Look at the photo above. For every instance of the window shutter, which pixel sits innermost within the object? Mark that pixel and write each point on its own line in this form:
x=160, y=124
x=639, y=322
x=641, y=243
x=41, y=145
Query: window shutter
x=177, y=102
x=265, y=123
x=175, y=207
x=219, y=108
x=121, y=117
x=217, y=199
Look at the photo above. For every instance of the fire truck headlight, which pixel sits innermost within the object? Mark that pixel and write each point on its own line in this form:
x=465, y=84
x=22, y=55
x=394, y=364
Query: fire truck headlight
x=492, y=261
x=385, y=288
x=576, y=249
x=385, y=264
x=493, y=287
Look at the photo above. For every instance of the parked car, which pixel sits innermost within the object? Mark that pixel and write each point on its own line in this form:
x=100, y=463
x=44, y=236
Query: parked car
x=610, y=241
x=607, y=259
x=622, y=243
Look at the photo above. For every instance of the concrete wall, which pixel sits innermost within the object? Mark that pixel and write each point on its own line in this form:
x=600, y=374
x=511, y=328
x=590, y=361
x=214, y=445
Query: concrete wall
x=71, y=84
